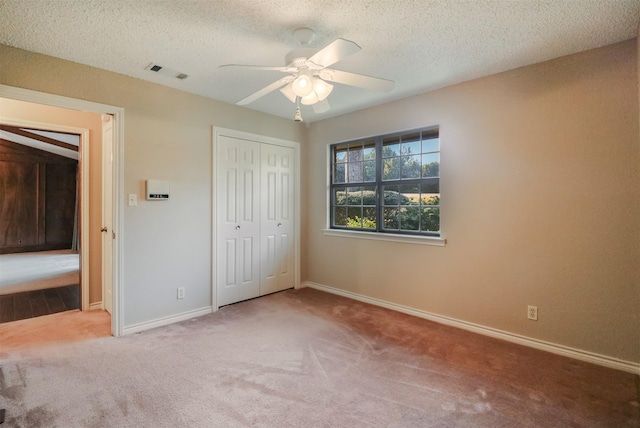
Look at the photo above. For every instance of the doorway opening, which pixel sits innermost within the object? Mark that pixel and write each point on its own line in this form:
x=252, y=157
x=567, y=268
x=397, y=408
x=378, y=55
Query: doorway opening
x=40, y=215
x=90, y=223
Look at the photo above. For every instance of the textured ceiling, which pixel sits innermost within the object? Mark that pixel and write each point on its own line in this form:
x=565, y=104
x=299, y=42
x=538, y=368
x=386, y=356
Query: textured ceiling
x=421, y=45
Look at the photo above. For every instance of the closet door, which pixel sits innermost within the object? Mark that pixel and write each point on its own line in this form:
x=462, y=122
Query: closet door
x=237, y=220
x=277, y=222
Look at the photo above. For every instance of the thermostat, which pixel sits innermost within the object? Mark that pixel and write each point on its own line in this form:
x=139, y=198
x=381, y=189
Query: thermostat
x=157, y=190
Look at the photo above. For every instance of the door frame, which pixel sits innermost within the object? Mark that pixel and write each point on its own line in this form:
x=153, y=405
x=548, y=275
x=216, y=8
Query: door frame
x=107, y=215
x=219, y=132
x=21, y=94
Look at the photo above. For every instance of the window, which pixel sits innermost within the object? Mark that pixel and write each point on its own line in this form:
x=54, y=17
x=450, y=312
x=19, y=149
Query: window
x=387, y=184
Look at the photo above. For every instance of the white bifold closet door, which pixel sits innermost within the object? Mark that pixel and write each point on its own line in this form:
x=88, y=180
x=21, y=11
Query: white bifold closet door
x=254, y=219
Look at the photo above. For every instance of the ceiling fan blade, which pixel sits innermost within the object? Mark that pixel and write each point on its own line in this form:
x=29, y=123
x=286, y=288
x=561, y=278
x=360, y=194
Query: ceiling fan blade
x=359, y=80
x=321, y=106
x=287, y=91
x=264, y=91
x=334, y=52
x=255, y=67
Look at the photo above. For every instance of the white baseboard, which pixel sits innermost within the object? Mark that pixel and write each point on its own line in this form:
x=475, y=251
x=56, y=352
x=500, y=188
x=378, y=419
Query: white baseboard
x=160, y=322
x=95, y=305
x=578, y=354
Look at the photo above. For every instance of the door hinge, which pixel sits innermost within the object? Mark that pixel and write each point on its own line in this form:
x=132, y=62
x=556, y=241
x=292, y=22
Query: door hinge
x=113, y=235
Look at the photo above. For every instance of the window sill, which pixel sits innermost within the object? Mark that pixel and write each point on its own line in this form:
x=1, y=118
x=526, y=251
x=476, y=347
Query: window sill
x=409, y=239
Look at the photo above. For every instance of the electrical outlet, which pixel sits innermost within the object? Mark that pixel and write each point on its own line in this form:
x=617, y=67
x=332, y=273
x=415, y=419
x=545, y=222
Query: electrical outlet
x=532, y=313
x=180, y=292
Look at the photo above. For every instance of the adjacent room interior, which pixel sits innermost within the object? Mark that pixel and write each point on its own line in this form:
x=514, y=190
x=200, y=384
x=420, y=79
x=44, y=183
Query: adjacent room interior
x=38, y=253
x=433, y=225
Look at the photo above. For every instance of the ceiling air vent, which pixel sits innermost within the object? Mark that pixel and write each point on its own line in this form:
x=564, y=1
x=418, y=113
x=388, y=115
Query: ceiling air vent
x=166, y=71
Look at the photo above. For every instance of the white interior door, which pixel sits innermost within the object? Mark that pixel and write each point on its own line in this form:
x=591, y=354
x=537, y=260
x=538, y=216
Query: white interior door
x=277, y=225
x=107, y=212
x=237, y=220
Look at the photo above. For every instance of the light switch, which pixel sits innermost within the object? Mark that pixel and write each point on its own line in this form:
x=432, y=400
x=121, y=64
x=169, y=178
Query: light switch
x=133, y=200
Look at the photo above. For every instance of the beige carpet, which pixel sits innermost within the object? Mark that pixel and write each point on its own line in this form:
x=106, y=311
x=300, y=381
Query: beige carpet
x=55, y=329
x=309, y=359
x=38, y=270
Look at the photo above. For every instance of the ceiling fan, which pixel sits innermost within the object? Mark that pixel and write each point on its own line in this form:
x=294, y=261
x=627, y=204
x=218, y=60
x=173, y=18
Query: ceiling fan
x=308, y=79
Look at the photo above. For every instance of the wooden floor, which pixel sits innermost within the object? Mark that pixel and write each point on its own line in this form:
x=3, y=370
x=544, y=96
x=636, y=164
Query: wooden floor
x=30, y=304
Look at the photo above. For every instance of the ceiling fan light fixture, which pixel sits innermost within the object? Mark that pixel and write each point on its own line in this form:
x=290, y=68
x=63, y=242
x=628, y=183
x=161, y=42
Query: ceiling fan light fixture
x=303, y=85
x=310, y=99
x=322, y=88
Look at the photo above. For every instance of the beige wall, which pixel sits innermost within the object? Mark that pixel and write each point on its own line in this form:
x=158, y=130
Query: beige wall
x=167, y=244
x=540, y=204
x=92, y=121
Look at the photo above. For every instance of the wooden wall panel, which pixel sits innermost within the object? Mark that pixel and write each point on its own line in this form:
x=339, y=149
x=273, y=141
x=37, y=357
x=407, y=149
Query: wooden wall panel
x=60, y=196
x=18, y=203
x=37, y=199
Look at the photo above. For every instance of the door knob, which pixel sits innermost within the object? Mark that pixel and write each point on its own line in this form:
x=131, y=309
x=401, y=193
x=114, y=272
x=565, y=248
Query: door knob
x=279, y=224
x=238, y=227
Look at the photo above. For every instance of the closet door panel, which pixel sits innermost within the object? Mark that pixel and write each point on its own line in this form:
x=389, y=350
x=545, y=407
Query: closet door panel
x=277, y=226
x=237, y=224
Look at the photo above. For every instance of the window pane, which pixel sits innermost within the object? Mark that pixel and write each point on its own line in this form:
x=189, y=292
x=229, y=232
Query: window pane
x=430, y=199
x=391, y=169
x=391, y=147
x=354, y=196
x=431, y=145
x=411, y=147
x=355, y=172
x=338, y=174
x=370, y=150
x=391, y=218
x=369, y=196
x=390, y=195
x=430, y=185
x=411, y=166
x=355, y=153
x=340, y=197
x=340, y=216
x=414, y=136
x=431, y=165
x=369, y=219
x=410, y=194
x=430, y=221
x=340, y=154
x=370, y=170
x=410, y=218
x=355, y=217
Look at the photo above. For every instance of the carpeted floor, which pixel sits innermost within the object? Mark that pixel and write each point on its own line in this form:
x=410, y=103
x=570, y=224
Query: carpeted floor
x=304, y=358
x=56, y=329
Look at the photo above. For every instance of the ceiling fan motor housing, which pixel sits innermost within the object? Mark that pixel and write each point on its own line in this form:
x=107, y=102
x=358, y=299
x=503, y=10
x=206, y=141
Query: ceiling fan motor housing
x=297, y=57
